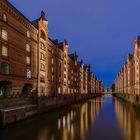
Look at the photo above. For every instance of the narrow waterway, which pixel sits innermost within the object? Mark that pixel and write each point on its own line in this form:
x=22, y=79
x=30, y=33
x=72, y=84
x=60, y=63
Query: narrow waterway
x=103, y=118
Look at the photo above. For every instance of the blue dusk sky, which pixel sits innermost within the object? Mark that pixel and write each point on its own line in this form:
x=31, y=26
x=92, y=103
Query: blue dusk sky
x=101, y=31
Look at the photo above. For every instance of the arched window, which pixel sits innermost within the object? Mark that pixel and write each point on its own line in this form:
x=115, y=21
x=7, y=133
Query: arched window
x=42, y=35
x=5, y=68
x=27, y=89
x=42, y=46
x=42, y=67
x=5, y=88
x=4, y=17
x=4, y=35
x=43, y=57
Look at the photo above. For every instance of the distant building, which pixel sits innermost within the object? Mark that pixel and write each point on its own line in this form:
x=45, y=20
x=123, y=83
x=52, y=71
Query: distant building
x=128, y=79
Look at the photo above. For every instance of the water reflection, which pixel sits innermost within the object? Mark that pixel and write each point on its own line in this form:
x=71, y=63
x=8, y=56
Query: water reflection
x=129, y=119
x=71, y=123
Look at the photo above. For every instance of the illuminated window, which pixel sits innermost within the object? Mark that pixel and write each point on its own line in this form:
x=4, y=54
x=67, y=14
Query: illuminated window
x=28, y=34
x=42, y=46
x=4, y=35
x=68, y=90
x=28, y=73
x=28, y=48
x=59, y=90
x=52, y=69
x=42, y=79
x=52, y=77
x=52, y=61
x=42, y=67
x=42, y=89
x=42, y=57
x=4, y=51
x=28, y=60
x=4, y=17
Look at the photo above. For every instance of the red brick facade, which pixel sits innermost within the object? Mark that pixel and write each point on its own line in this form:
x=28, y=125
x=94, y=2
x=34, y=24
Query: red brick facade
x=32, y=62
x=128, y=79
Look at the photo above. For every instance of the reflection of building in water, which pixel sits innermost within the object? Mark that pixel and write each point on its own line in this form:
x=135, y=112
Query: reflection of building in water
x=72, y=124
x=89, y=112
x=129, y=119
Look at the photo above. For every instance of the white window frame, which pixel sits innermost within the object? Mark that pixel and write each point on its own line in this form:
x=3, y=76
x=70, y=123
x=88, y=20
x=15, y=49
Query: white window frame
x=4, y=34
x=4, y=51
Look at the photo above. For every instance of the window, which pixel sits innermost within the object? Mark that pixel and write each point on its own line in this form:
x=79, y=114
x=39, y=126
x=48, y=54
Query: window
x=68, y=90
x=4, y=17
x=28, y=34
x=28, y=61
x=71, y=90
x=42, y=67
x=42, y=46
x=52, y=61
x=42, y=35
x=42, y=79
x=52, y=77
x=4, y=35
x=52, y=69
x=4, y=51
x=42, y=89
x=28, y=48
x=28, y=73
x=5, y=68
x=43, y=56
x=59, y=90
x=59, y=79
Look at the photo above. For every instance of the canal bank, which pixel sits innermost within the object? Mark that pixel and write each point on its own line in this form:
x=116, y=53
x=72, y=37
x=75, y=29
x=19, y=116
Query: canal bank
x=104, y=117
x=133, y=99
x=18, y=110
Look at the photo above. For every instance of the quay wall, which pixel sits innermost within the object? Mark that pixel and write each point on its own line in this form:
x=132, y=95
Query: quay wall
x=133, y=99
x=29, y=108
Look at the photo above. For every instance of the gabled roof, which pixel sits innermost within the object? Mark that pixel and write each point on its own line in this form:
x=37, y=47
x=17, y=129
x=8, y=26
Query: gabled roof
x=73, y=55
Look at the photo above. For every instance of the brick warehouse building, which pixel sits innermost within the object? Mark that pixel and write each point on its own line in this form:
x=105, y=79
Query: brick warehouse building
x=18, y=48
x=31, y=62
x=127, y=81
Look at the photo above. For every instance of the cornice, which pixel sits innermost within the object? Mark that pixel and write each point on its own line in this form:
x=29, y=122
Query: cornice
x=11, y=10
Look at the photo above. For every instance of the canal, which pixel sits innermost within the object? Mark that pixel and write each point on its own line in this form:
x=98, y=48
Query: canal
x=103, y=118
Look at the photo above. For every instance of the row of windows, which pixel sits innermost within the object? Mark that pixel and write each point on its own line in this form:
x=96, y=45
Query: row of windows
x=5, y=54
x=5, y=37
x=5, y=19
x=42, y=66
x=5, y=69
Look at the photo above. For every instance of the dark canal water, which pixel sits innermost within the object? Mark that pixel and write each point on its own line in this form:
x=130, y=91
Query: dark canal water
x=103, y=118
